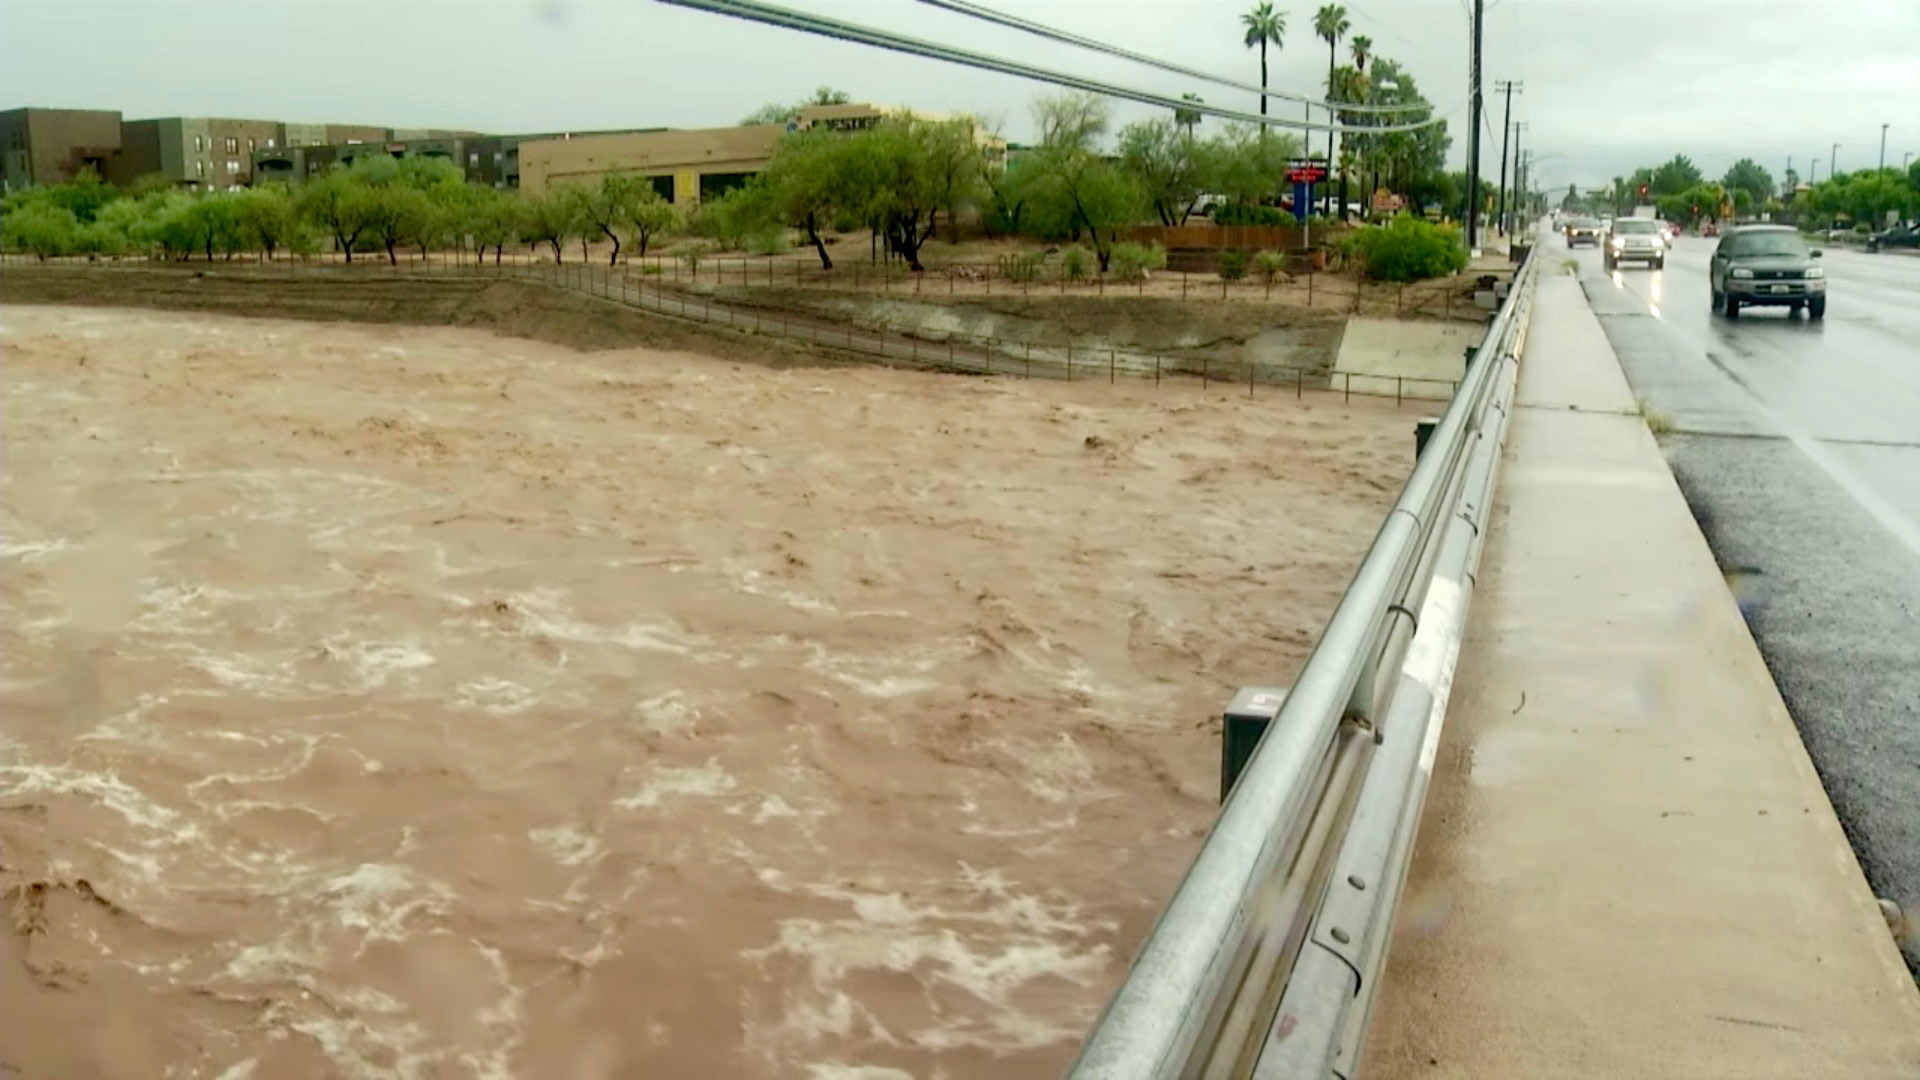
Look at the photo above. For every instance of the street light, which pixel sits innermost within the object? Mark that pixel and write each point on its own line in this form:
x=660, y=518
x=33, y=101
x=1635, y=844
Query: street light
x=1883, y=144
x=1833, y=162
x=1813, y=172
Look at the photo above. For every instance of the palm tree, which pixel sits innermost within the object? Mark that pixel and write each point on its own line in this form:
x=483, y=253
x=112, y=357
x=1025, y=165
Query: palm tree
x=1362, y=51
x=1188, y=118
x=1330, y=23
x=1265, y=26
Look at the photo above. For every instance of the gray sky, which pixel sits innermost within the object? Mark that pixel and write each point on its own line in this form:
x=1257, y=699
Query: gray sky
x=1609, y=84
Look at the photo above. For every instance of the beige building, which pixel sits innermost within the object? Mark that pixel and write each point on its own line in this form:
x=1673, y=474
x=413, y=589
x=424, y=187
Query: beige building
x=688, y=166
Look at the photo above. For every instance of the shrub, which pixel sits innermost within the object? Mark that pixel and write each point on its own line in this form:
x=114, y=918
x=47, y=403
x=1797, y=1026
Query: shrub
x=846, y=221
x=1023, y=268
x=1270, y=265
x=1130, y=262
x=1076, y=263
x=1410, y=249
x=768, y=242
x=1244, y=214
x=1233, y=265
x=692, y=254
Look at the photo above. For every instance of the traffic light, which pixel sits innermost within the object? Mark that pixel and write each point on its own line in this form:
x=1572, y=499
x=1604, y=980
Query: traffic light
x=1643, y=191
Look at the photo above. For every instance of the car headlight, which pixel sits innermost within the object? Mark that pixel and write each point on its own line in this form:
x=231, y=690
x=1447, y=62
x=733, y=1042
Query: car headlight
x=1815, y=272
x=1619, y=243
x=1741, y=273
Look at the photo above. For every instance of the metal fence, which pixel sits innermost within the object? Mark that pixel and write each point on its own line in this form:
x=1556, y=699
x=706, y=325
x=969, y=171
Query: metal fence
x=1331, y=291
x=1265, y=961
x=703, y=296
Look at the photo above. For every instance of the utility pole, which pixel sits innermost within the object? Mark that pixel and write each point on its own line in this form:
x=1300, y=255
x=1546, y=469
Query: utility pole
x=1883, y=144
x=1833, y=162
x=1506, y=129
x=1473, y=138
x=1518, y=127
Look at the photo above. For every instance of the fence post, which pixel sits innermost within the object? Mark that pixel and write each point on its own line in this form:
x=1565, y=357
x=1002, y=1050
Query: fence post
x=1299, y=383
x=1069, y=361
x=1309, y=286
x=1111, y=354
x=1029, y=359
x=1398, y=385
x=1206, y=371
x=1183, y=284
x=1249, y=380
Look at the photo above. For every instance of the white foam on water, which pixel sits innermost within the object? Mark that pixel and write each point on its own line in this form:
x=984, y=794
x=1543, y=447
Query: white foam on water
x=989, y=946
x=567, y=844
x=545, y=612
x=835, y=1070
x=103, y=787
x=374, y=662
x=498, y=697
x=31, y=551
x=666, y=780
x=239, y=1070
x=749, y=581
x=667, y=714
x=379, y=899
x=773, y=806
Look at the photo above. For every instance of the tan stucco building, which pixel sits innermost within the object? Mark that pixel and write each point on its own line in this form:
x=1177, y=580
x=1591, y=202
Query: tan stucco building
x=688, y=166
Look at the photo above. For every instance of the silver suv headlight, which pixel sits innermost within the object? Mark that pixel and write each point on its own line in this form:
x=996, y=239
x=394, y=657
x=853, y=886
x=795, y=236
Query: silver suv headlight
x=1815, y=272
x=1742, y=272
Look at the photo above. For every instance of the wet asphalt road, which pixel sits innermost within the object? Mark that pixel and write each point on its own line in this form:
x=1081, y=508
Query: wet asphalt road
x=1798, y=446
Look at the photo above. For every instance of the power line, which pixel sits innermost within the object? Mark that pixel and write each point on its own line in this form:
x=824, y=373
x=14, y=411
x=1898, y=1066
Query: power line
x=768, y=14
x=1040, y=30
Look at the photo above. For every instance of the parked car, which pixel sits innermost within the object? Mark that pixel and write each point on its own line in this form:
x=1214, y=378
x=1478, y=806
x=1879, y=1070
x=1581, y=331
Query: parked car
x=1766, y=266
x=1635, y=240
x=1583, y=231
x=1900, y=236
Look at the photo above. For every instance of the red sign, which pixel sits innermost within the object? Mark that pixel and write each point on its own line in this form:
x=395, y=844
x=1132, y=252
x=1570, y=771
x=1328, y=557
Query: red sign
x=1306, y=174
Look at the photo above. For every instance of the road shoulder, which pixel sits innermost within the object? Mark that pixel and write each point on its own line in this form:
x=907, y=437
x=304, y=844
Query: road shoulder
x=1627, y=865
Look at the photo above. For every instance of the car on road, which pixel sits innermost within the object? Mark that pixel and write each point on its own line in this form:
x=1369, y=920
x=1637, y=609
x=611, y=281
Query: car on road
x=1766, y=266
x=1907, y=236
x=1583, y=230
x=1635, y=240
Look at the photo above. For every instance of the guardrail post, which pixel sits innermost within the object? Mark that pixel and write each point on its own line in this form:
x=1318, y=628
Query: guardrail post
x=1246, y=720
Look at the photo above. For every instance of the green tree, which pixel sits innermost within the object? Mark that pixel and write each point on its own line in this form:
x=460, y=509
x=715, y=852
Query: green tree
x=266, y=217
x=1330, y=24
x=1747, y=175
x=1171, y=168
x=777, y=113
x=550, y=218
x=41, y=228
x=337, y=202
x=902, y=174
x=1248, y=162
x=1264, y=26
x=607, y=207
x=1076, y=188
x=806, y=181
x=1676, y=176
x=492, y=218
x=649, y=216
x=1362, y=46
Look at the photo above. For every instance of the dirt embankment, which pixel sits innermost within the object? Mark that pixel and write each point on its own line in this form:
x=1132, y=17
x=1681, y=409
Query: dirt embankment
x=516, y=308
x=1185, y=331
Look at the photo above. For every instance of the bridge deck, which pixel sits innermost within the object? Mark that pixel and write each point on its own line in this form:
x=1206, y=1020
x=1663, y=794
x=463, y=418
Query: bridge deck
x=1627, y=866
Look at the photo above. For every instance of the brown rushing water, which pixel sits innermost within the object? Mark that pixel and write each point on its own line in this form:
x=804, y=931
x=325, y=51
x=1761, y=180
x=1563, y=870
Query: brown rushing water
x=401, y=702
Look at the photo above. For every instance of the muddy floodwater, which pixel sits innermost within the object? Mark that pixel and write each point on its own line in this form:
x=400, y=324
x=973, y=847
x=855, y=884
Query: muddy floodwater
x=403, y=702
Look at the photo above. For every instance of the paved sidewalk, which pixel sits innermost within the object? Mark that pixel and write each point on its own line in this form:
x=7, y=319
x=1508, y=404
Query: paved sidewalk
x=1627, y=866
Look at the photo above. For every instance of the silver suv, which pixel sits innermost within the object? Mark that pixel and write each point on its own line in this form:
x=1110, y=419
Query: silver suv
x=1766, y=265
x=1636, y=240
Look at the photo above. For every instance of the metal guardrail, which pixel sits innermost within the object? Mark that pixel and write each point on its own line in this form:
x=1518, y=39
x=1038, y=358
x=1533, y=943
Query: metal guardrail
x=1265, y=961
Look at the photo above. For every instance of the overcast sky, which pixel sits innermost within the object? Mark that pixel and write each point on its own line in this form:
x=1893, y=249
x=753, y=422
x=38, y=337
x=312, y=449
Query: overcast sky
x=1608, y=84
